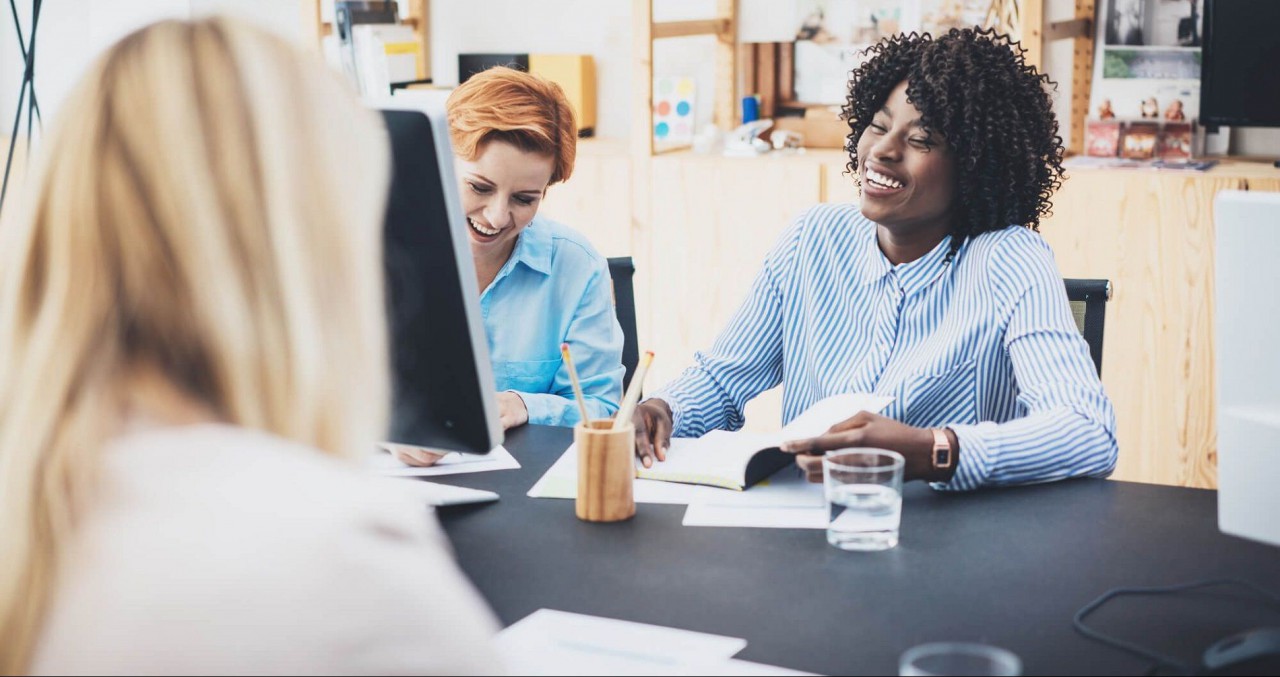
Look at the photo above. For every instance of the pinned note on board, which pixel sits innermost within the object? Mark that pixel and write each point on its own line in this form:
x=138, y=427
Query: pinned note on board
x=673, y=110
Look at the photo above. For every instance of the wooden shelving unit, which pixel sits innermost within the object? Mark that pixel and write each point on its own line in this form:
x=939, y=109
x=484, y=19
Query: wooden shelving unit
x=645, y=30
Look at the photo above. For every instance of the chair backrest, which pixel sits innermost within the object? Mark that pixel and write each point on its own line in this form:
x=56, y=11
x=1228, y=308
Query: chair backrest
x=1089, y=306
x=622, y=269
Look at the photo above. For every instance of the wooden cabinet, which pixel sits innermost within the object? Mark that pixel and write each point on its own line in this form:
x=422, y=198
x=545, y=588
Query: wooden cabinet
x=1151, y=233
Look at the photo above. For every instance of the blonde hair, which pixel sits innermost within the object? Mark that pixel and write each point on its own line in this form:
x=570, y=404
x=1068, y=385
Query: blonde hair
x=524, y=110
x=209, y=211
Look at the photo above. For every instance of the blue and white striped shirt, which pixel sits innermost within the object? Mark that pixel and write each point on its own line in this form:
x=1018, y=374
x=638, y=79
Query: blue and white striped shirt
x=985, y=345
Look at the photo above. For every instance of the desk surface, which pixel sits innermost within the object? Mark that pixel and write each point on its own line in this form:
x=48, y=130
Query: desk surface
x=1009, y=567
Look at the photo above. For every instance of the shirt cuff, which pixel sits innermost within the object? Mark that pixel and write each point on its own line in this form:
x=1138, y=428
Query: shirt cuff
x=975, y=458
x=677, y=408
x=547, y=409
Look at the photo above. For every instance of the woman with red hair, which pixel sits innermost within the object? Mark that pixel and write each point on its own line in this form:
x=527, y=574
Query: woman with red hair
x=541, y=283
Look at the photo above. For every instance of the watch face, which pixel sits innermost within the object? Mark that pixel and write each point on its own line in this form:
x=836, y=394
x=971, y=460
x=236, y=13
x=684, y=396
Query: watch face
x=941, y=458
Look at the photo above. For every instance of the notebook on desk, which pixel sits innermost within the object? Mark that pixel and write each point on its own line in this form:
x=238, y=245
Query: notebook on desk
x=737, y=460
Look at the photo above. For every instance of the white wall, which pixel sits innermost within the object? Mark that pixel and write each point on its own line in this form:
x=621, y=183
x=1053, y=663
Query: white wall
x=601, y=28
x=72, y=33
x=70, y=36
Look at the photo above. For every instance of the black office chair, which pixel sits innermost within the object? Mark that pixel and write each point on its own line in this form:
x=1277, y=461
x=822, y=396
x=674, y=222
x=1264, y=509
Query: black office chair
x=621, y=269
x=1089, y=306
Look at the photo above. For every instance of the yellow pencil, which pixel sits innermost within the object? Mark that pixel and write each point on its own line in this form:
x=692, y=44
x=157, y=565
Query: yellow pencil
x=577, y=387
x=633, y=393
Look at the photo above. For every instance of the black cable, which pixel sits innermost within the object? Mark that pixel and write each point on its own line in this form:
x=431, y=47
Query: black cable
x=1161, y=660
x=13, y=143
x=22, y=47
x=27, y=85
x=31, y=74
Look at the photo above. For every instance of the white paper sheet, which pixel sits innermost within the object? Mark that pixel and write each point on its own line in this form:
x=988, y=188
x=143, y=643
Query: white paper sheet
x=440, y=495
x=739, y=668
x=561, y=481
x=778, y=517
x=549, y=642
x=829, y=411
x=383, y=463
x=785, y=501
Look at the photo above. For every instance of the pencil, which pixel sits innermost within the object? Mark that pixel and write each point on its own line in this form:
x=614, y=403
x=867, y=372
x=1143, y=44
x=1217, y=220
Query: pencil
x=633, y=393
x=577, y=387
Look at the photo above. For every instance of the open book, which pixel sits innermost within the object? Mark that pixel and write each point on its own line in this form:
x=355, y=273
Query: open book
x=737, y=460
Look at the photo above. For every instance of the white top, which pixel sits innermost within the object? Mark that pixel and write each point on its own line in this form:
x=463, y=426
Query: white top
x=219, y=550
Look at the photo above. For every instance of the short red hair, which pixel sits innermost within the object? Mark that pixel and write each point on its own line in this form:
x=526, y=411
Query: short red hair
x=522, y=109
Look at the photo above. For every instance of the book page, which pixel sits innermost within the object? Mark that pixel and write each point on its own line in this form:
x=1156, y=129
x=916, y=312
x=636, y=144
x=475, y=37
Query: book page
x=718, y=458
x=829, y=411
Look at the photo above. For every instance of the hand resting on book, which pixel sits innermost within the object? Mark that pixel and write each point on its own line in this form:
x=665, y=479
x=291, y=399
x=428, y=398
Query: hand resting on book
x=652, y=420
x=865, y=429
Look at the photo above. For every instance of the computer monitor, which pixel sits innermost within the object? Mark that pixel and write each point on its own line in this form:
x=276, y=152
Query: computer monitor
x=443, y=385
x=1239, y=83
x=1247, y=337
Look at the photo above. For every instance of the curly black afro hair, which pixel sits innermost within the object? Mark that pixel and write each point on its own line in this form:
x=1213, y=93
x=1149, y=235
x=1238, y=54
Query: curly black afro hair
x=974, y=88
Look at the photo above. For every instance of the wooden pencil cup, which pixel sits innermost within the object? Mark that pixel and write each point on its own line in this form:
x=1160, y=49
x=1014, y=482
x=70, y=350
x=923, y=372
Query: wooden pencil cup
x=606, y=471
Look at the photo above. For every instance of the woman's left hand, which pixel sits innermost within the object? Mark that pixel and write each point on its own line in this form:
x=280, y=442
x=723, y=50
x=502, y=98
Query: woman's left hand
x=511, y=410
x=863, y=430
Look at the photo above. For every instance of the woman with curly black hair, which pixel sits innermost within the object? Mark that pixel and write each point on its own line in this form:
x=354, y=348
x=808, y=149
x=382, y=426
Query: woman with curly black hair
x=935, y=290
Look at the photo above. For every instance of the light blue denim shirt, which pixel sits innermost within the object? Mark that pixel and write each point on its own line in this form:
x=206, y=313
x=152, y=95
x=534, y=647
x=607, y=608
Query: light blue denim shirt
x=554, y=289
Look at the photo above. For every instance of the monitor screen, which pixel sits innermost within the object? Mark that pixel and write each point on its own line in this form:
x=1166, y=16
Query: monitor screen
x=443, y=386
x=1239, y=79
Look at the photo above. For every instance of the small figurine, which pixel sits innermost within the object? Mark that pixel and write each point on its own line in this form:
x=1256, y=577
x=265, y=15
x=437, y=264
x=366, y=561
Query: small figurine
x=814, y=28
x=1174, y=112
x=1104, y=110
x=1151, y=108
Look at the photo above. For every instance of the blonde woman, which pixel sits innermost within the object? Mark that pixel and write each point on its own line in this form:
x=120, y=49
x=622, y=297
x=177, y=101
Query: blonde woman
x=176, y=496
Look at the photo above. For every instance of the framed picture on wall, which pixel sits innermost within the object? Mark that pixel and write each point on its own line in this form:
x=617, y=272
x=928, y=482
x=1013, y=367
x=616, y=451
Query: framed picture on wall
x=1152, y=23
x=1148, y=54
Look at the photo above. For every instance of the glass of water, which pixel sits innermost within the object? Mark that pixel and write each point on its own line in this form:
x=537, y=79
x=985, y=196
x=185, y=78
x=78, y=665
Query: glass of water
x=863, y=489
x=959, y=658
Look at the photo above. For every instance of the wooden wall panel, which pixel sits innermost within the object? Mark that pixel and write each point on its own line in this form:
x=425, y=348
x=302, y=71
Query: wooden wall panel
x=1151, y=234
x=836, y=185
x=714, y=221
x=596, y=200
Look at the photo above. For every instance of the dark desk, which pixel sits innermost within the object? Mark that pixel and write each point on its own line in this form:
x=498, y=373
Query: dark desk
x=1009, y=567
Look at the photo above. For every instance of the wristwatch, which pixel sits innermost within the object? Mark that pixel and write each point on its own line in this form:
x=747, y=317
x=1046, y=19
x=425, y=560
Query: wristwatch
x=943, y=455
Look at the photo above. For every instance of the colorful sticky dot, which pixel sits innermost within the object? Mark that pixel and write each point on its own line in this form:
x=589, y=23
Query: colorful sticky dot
x=685, y=86
x=664, y=86
x=682, y=108
x=664, y=108
x=661, y=130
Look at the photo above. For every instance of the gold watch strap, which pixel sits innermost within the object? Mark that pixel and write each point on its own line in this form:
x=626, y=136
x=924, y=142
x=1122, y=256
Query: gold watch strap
x=943, y=455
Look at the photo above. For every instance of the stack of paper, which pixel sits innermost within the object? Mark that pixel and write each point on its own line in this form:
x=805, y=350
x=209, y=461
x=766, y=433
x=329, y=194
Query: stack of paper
x=384, y=54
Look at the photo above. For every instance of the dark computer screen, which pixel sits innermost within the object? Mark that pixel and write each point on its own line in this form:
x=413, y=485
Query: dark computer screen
x=1239, y=76
x=442, y=381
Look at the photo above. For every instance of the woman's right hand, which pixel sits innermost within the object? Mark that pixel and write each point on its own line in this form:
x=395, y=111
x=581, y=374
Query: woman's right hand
x=652, y=419
x=411, y=455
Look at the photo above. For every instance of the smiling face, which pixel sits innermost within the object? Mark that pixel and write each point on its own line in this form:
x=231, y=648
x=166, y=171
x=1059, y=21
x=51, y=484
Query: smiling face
x=501, y=191
x=907, y=171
